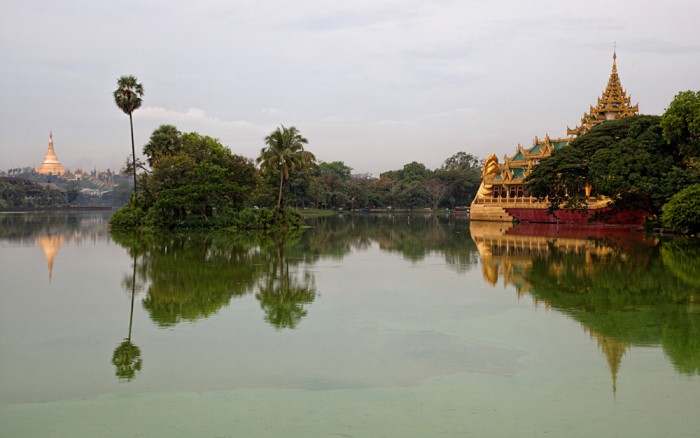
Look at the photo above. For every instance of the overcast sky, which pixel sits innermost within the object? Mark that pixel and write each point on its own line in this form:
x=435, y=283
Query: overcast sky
x=374, y=83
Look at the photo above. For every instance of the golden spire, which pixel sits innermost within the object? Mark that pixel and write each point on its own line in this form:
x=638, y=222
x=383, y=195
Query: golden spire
x=51, y=165
x=613, y=104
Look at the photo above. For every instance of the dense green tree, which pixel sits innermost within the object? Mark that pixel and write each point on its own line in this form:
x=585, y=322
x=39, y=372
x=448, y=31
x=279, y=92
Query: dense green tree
x=284, y=153
x=681, y=125
x=682, y=212
x=166, y=140
x=201, y=178
x=127, y=96
x=626, y=160
x=194, y=179
x=461, y=173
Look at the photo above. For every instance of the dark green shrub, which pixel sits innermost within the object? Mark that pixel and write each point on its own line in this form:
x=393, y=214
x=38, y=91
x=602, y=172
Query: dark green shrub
x=127, y=217
x=682, y=212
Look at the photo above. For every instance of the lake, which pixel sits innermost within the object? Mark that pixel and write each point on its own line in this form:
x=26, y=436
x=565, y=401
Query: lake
x=361, y=325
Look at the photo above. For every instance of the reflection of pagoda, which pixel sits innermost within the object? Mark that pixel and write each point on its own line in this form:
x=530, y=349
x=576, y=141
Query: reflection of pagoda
x=50, y=245
x=507, y=251
x=51, y=165
x=613, y=351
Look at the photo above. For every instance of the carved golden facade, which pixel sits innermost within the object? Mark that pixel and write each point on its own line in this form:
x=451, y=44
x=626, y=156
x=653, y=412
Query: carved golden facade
x=502, y=184
x=51, y=165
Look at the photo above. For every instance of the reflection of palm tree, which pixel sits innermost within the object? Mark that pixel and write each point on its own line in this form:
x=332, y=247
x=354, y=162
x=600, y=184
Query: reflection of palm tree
x=127, y=356
x=283, y=297
x=127, y=360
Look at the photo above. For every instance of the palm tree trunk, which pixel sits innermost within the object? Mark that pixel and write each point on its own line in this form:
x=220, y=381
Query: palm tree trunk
x=279, y=197
x=133, y=153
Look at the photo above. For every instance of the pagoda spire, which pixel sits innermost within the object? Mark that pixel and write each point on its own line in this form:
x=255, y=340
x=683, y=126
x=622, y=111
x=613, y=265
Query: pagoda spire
x=613, y=104
x=51, y=165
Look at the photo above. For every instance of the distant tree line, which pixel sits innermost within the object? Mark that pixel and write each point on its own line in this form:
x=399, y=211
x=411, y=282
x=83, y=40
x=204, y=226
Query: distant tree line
x=190, y=180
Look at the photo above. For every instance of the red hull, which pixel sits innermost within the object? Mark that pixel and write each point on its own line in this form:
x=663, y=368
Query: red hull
x=586, y=217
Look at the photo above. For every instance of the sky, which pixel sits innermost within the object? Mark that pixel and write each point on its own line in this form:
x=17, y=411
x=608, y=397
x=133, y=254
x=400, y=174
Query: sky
x=376, y=84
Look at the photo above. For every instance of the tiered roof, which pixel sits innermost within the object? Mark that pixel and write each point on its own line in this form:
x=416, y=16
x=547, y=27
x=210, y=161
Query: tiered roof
x=612, y=105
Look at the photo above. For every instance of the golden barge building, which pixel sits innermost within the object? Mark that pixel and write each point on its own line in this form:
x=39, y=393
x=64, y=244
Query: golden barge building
x=503, y=195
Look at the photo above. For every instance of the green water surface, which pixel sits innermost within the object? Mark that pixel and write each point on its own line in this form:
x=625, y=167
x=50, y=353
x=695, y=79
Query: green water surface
x=361, y=326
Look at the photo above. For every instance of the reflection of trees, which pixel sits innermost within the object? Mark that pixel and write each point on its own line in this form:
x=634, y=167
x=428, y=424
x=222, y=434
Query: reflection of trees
x=413, y=236
x=283, y=296
x=682, y=257
x=127, y=356
x=25, y=227
x=191, y=276
x=625, y=289
x=618, y=300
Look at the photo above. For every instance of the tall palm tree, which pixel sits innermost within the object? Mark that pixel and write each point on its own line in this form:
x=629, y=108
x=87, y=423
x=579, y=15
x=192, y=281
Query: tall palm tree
x=284, y=153
x=127, y=96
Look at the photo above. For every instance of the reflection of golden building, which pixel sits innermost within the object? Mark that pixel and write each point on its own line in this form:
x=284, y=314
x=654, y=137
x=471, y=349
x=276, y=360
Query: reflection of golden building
x=507, y=251
x=50, y=245
x=503, y=195
x=51, y=165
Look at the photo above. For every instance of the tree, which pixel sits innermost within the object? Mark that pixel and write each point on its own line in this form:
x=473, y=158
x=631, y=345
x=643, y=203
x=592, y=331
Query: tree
x=164, y=141
x=436, y=190
x=284, y=153
x=127, y=96
x=194, y=179
x=626, y=160
x=681, y=125
x=682, y=212
x=461, y=173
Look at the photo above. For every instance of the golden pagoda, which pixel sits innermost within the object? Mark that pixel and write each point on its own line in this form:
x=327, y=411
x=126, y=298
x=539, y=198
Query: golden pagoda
x=51, y=165
x=612, y=105
x=503, y=194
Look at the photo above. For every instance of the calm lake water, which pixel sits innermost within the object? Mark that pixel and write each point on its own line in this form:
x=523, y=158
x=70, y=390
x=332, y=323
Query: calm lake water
x=362, y=326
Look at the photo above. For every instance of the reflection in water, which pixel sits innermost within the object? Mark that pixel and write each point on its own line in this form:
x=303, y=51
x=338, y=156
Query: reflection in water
x=618, y=284
x=52, y=230
x=50, y=245
x=282, y=296
x=192, y=276
x=127, y=356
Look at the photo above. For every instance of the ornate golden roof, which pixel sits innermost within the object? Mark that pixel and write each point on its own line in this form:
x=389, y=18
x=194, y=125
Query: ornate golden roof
x=51, y=165
x=612, y=105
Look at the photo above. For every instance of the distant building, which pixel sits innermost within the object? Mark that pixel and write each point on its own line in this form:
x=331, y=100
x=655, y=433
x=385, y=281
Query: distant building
x=51, y=165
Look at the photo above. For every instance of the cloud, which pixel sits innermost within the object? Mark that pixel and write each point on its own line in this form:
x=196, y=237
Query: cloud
x=193, y=116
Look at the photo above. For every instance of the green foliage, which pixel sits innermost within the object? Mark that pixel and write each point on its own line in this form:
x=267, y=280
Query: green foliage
x=626, y=160
x=193, y=179
x=127, y=96
x=166, y=140
x=682, y=212
x=628, y=296
x=127, y=360
x=681, y=125
x=682, y=258
x=127, y=217
x=22, y=193
x=283, y=155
